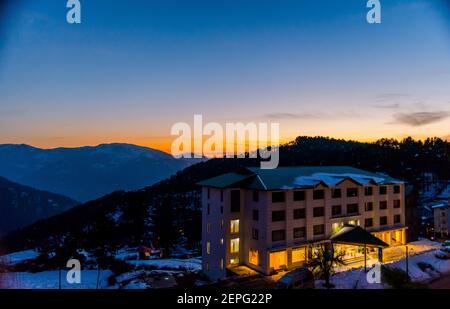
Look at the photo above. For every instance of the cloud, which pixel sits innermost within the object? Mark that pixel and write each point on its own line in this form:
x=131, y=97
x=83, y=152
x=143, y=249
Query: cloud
x=391, y=96
x=279, y=116
x=417, y=119
x=386, y=106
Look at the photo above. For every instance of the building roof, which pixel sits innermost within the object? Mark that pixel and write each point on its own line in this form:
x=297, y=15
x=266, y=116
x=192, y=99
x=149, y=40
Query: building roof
x=355, y=235
x=225, y=180
x=283, y=178
x=442, y=204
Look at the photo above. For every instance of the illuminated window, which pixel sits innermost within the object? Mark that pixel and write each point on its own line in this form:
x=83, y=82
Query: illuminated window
x=221, y=264
x=253, y=257
x=335, y=227
x=298, y=255
x=234, y=261
x=234, y=226
x=221, y=241
x=208, y=247
x=234, y=245
x=277, y=260
x=354, y=222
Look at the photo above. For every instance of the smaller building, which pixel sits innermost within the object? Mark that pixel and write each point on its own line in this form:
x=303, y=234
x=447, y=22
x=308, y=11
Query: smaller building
x=441, y=213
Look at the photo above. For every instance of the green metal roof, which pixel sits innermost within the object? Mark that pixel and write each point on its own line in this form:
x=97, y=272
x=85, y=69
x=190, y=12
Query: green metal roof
x=225, y=180
x=355, y=235
x=282, y=178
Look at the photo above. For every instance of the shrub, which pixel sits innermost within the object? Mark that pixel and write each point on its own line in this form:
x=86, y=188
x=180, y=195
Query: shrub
x=119, y=267
x=398, y=279
x=395, y=277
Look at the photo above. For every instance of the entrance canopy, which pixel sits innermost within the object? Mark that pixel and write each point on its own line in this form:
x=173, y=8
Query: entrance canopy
x=355, y=235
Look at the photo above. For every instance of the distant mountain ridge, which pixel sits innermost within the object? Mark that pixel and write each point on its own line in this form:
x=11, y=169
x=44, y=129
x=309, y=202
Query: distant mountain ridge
x=88, y=172
x=21, y=205
x=170, y=210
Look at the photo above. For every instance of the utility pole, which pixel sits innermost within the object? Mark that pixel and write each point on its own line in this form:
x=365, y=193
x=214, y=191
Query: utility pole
x=365, y=249
x=59, y=278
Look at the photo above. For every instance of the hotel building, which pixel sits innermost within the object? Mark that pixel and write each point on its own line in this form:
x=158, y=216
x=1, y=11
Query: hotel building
x=270, y=219
x=441, y=213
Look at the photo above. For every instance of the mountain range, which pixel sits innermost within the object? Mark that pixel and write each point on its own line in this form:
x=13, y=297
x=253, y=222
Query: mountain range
x=22, y=205
x=170, y=211
x=87, y=173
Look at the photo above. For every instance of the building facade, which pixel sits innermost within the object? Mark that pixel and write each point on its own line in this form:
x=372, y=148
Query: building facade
x=441, y=214
x=270, y=219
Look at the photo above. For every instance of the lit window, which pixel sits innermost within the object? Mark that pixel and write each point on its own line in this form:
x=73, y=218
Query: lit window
x=335, y=227
x=253, y=257
x=354, y=222
x=234, y=261
x=221, y=241
x=208, y=247
x=298, y=255
x=234, y=245
x=221, y=264
x=234, y=226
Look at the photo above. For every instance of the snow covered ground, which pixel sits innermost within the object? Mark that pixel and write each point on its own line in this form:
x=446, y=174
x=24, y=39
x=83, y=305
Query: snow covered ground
x=50, y=280
x=192, y=264
x=18, y=257
x=148, y=273
x=356, y=278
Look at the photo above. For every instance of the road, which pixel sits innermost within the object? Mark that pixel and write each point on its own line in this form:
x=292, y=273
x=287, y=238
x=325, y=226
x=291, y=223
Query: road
x=441, y=283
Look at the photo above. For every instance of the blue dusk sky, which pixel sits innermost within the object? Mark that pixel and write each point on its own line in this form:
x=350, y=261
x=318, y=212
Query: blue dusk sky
x=133, y=68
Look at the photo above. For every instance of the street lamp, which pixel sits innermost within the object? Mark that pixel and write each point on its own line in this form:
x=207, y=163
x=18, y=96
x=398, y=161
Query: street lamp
x=407, y=256
x=407, y=261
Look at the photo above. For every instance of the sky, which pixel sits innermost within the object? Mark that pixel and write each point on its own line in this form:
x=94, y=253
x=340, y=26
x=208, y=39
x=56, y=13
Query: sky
x=134, y=68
